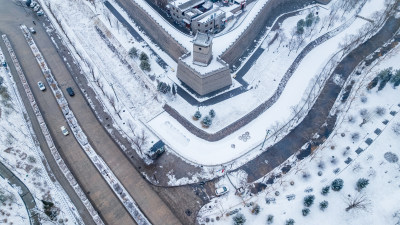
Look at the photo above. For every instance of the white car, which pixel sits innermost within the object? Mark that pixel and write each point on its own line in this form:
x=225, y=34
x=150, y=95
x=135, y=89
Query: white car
x=40, y=13
x=33, y=4
x=41, y=85
x=33, y=31
x=221, y=191
x=36, y=8
x=64, y=130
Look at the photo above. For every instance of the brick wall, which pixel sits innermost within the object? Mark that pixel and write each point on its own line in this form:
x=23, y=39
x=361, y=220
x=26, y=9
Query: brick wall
x=153, y=30
x=203, y=84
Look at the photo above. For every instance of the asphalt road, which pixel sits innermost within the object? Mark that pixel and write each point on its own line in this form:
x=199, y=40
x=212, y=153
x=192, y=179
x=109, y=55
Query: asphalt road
x=98, y=191
x=91, y=181
x=106, y=203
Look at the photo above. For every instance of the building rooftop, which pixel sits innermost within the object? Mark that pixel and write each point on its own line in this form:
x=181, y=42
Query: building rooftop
x=204, y=69
x=208, y=5
x=184, y=5
x=202, y=39
x=204, y=18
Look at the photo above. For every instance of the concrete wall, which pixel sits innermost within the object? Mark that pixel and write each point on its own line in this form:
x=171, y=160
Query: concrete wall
x=204, y=84
x=153, y=30
x=270, y=10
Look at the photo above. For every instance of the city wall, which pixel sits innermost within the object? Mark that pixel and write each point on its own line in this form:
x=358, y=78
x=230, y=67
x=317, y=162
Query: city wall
x=157, y=34
x=204, y=83
x=256, y=29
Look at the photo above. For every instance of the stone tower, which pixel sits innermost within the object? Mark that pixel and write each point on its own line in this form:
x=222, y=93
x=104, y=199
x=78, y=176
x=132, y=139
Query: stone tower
x=202, y=49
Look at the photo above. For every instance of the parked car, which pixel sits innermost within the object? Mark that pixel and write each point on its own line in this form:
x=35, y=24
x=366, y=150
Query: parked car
x=221, y=191
x=64, y=130
x=41, y=85
x=70, y=91
x=33, y=31
x=40, y=13
x=156, y=150
x=33, y=4
x=36, y=8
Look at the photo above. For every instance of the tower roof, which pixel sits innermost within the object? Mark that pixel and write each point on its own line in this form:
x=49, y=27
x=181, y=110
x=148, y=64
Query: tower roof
x=202, y=39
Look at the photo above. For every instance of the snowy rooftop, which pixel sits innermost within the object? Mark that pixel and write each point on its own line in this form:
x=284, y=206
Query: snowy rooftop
x=208, y=5
x=203, y=70
x=202, y=39
x=210, y=15
x=186, y=4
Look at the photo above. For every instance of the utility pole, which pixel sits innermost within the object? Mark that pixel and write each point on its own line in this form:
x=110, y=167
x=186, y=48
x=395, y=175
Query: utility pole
x=266, y=135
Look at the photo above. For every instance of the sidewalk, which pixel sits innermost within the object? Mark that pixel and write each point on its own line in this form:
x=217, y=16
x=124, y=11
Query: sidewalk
x=24, y=192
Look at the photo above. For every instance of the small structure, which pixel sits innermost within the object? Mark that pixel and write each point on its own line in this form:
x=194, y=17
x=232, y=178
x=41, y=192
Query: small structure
x=212, y=21
x=203, y=15
x=182, y=11
x=156, y=150
x=201, y=72
x=202, y=49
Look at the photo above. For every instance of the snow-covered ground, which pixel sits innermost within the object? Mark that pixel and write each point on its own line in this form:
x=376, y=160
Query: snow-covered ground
x=12, y=209
x=273, y=64
x=129, y=102
x=122, y=91
x=21, y=153
x=355, y=150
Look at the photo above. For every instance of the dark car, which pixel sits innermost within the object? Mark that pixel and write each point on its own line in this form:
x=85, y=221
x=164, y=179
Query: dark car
x=70, y=91
x=156, y=150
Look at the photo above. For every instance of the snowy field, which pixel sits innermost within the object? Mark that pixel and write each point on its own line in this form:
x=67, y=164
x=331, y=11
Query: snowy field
x=365, y=144
x=12, y=209
x=21, y=153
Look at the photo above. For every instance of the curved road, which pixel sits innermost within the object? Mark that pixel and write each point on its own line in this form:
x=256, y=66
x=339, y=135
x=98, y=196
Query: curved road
x=318, y=119
x=24, y=193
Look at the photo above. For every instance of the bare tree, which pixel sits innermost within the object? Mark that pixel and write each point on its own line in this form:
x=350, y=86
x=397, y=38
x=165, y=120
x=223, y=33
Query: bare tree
x=313, y=26
x=117, y=22
x=111, y=99
x=282, y=38
x=118, y=111
x=359, y=202
x=333, y=14
x=300, y=41
x=107, y=15
x=100, y=84
x=276, y=127
x=396, y=128
x=293, y=44
x=94, y=4
x=140, y=140
x=323, y=23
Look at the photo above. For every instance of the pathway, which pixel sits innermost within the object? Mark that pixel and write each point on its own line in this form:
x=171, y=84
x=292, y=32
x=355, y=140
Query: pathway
x=318, y=119
x=24, y=192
